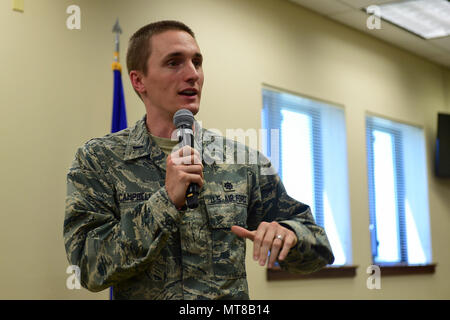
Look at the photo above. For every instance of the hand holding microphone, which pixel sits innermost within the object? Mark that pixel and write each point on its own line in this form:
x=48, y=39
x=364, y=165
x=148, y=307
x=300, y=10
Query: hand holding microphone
x=184, y=169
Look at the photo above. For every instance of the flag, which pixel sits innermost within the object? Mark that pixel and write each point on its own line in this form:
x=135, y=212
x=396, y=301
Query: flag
x=119, y=114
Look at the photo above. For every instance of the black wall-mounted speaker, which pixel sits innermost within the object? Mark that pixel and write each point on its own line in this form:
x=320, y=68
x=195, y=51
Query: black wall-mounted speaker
x=442, y=155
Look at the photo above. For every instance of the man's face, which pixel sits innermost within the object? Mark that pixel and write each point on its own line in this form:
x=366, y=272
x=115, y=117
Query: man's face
x=174, y=73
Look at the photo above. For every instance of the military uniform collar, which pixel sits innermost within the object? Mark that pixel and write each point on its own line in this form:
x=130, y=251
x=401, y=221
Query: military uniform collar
x=140, y=143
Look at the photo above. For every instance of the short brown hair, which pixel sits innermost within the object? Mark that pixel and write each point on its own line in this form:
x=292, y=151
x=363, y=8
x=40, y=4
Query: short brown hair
x=139, y=49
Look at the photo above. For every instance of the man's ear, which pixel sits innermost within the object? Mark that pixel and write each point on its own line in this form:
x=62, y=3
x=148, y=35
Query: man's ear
x=136, y=81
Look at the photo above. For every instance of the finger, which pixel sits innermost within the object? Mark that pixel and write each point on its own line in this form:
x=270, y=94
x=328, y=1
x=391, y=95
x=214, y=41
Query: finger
x=243, y=233
x=193, y=168
x=185, y=151
x=189, y=178
x=188, y=151
x=188, y=160
x=287, y=245
x=266, y=245
x=276, y=246
x=192, y=159
x=257, y=242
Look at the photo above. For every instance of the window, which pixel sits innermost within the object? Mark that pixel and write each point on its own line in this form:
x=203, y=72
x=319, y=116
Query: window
x=308, y=141
x=398, y=194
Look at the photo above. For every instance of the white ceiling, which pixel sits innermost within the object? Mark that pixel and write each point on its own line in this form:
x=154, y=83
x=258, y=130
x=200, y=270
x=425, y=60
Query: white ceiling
x=350, y=13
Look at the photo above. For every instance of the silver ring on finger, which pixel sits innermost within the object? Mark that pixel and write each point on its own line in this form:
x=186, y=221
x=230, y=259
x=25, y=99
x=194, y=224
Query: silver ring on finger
x=279, y=237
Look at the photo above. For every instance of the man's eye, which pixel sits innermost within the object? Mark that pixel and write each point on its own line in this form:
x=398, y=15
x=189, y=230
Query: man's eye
x=172, y=63
x=197, y=63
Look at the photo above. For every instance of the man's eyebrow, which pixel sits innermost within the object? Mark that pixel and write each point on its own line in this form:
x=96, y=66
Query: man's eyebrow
x=180, y=54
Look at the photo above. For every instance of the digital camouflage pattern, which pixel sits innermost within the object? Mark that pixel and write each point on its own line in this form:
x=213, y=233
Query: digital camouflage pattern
x=122, y=230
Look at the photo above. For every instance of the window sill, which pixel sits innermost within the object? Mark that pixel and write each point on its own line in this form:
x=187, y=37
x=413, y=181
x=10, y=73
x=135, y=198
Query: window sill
x=399, y=269
x=276, y=273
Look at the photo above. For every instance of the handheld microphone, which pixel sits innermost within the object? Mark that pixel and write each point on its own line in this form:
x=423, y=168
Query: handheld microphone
x=183, y=120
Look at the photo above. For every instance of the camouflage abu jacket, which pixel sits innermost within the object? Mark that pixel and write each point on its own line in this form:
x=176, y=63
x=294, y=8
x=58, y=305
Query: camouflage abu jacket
x=122, y=230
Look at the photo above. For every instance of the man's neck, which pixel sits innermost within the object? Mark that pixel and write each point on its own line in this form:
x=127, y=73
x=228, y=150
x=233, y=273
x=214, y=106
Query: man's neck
x=159, y=125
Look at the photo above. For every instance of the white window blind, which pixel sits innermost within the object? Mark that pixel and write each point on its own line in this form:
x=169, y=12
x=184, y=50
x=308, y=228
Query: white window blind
x=398, y=193
x=312, y=156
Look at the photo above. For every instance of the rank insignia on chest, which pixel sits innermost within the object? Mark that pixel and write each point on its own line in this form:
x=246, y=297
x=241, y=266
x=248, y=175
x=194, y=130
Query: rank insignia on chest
x=227, y=186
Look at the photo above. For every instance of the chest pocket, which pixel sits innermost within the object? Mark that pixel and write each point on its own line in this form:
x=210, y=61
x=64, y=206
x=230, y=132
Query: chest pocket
x=226, y=202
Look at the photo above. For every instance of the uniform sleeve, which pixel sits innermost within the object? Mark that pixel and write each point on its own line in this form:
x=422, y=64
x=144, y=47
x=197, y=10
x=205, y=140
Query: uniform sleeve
x=106, y=246
x=270, y=202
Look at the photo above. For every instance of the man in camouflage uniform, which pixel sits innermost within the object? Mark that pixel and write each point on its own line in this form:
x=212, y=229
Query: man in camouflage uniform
x=126, y=225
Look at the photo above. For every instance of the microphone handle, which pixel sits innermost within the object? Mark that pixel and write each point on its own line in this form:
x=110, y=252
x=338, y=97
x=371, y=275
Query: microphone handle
x=193, y=189
x=192, y=196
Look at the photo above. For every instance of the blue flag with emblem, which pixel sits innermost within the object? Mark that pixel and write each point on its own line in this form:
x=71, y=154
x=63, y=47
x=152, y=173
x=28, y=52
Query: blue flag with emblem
x=119, y=114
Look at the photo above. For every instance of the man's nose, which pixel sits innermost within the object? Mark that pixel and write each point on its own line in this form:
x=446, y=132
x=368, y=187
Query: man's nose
x=191, y=72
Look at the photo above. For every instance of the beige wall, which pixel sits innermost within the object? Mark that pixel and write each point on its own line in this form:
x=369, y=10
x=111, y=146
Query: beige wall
x=56, y=93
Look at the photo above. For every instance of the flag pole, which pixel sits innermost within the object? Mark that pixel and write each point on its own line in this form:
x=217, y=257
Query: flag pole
x=119, y=116
x=117, y=30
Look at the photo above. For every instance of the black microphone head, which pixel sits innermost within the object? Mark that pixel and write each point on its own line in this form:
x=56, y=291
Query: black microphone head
x=183, y=117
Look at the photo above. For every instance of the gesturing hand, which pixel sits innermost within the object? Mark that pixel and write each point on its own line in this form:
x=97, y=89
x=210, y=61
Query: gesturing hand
x=269, y=236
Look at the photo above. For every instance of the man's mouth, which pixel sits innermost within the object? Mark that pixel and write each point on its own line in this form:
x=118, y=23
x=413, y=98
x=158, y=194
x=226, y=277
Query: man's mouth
x=189, y=92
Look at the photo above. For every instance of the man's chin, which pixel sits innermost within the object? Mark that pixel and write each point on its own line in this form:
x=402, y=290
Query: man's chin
x=194, y=108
